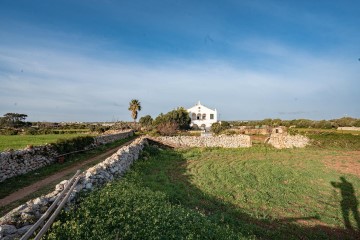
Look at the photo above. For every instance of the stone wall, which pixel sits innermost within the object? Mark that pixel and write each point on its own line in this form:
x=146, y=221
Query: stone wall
x=19, y=220
x=13, y=163
x=225, y=141
x=348, y=128
x=280, y=141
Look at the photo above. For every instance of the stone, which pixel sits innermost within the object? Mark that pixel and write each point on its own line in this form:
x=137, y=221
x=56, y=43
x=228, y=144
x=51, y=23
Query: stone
x=24, y=229
x=7, y=230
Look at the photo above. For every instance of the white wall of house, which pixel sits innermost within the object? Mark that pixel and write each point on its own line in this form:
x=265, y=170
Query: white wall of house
x=202, y=116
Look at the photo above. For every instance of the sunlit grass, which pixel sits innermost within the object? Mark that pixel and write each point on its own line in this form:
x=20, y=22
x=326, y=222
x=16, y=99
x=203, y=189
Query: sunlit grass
x=21, y=141
x=259, y=191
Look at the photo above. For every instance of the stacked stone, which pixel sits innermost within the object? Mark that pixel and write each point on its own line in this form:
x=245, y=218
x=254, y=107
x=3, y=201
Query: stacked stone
x=13, y=163
x=103, y=139
x=225, y=141
x=279, y=140
x=19, y=220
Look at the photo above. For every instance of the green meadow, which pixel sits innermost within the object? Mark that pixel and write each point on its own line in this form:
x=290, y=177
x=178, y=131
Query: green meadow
x=213, y=193
x=21, y=141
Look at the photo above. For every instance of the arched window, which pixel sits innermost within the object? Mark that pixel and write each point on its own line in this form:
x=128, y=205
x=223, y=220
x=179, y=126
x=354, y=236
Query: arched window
x=198, y=116
x=203, y=116
x=193, y=116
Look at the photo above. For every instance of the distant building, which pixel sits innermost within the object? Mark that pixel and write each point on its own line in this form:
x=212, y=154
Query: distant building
x=202, y=116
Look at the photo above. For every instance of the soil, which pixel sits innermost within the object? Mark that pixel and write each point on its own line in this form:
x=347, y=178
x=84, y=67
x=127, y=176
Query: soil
x=348, y=163
x=22, y=193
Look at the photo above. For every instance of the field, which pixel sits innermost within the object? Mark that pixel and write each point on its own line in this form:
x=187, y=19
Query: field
x=21, y=141
x=254, y=193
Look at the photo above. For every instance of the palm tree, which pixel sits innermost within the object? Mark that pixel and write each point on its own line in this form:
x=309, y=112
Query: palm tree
x=134, y=107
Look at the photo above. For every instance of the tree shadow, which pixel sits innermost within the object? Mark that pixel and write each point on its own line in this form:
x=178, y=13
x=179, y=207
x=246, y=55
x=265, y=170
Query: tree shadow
x=177, y=184
x=349, y=202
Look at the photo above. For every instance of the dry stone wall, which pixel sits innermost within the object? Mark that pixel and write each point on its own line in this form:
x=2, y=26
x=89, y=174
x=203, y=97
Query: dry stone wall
x=19, y=220
x=283, y=140
x=225, y=141
x=13, y=163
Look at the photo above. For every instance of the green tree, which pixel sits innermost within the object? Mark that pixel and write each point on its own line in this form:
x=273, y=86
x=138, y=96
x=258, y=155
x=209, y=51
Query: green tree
x=146, y=121
x=216, y=127
x=134, y=107
x=13, y=119
x=179, y=116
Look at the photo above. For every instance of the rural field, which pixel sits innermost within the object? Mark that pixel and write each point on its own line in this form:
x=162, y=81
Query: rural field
x=21, y=141
x=246, y=193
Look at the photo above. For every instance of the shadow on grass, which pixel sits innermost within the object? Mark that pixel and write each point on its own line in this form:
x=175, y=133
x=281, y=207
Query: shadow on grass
x=166, y=172
x=349, y=202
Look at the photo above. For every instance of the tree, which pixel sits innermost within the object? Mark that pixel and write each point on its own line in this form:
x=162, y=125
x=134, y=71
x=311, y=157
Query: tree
x=134, y=107
x=179, y=116
x=13, y=119
x=146, y=122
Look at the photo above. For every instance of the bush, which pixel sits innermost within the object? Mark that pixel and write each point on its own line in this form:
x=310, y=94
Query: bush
x=146, y=121
x=167, y=128
x=63, y=146
x=216, y=128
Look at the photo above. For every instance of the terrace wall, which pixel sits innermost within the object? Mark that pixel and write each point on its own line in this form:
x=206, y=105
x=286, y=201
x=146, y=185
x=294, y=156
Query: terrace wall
x=14, y=163
x=233, y=141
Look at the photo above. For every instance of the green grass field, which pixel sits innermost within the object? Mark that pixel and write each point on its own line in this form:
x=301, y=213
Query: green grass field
x=250, y=193
x=21, y=141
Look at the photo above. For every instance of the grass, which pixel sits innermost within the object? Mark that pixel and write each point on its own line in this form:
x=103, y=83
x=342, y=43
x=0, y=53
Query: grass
x=15, y=183
x=21, y=141
x=320, y=130
x=258, y=192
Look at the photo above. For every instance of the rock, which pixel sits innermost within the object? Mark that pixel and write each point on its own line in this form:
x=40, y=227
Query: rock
x=88, y=185
x=24, y=229
x=7, y=230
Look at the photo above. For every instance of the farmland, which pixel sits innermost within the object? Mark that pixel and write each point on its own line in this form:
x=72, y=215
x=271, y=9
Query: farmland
x=21, y=141
x=250, y=193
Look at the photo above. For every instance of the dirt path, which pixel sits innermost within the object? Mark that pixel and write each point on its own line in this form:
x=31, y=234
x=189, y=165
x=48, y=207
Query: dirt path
x=22, y=193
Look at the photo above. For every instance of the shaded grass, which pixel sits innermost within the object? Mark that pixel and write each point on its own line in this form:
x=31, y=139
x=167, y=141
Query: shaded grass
x=15, y=183
x=21, y=141
x=254, y=192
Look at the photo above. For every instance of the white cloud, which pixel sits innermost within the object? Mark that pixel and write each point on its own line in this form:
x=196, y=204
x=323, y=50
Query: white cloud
x=56, y=84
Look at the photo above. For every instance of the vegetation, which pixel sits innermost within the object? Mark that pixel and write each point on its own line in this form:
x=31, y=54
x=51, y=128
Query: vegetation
x=21, y=141
x=257, y=192
x=172, y=121
x=219, y=127
x=146, y=122
x=303, y=123
x=134, y=107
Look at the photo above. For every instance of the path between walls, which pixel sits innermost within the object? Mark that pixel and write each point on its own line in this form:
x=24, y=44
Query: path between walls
x=22, y=193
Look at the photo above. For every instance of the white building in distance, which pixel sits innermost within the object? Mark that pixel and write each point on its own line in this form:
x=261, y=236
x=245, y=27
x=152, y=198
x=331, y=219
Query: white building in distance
x=202, y=116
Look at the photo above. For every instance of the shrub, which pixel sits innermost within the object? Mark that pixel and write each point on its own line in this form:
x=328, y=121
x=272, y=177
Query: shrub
x=167, y=128
x=216, y=128
x=63, y=146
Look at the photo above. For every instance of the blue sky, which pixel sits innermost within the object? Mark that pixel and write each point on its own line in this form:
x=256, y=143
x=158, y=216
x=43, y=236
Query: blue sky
x=85, y=60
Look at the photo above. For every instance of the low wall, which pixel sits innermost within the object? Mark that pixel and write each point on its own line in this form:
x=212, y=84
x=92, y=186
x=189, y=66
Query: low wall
x=279, y=140
x=348, y=128
x=225, y=141
x=13, y=163
x=19, y=220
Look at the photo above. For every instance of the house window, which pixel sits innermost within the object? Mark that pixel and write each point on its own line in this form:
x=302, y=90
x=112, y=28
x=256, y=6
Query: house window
x=211, y=116
x=193, y=116
x=198, y=116
x=204, y=116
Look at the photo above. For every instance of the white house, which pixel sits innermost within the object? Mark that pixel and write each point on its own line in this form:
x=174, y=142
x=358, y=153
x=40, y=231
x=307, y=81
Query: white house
x=202, y=116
